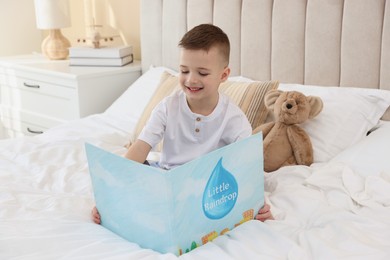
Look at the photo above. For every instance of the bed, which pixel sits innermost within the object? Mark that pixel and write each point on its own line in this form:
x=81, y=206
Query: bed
x=337, y=208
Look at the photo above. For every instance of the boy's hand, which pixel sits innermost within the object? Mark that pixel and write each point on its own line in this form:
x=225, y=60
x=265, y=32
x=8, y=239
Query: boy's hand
x=264, y=213
x=95, y=215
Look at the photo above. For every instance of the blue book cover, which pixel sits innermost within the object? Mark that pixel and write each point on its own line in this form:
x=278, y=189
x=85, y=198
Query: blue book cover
x=183, y=208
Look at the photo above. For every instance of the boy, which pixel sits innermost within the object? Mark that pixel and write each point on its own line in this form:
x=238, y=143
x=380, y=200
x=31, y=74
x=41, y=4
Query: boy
x=196, y=119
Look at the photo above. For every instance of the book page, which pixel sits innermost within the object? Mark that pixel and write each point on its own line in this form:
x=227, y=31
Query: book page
x=132, y=198
x=217, y=192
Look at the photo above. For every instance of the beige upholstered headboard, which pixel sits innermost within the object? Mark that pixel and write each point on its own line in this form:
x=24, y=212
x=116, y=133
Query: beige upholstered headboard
x=316, y=42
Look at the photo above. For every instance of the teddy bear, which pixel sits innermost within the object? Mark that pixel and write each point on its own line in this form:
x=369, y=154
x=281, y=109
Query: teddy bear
x=284, y=141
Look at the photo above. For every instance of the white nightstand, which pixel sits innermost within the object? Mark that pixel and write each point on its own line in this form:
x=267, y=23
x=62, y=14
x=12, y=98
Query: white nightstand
x=36, y=93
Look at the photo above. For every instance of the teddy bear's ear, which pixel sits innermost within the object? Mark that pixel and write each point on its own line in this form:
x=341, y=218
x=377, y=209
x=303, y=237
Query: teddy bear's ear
x=316, y=105
x=271, y=97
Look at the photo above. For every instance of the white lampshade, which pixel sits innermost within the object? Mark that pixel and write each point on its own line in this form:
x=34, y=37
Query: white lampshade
x=52, y=14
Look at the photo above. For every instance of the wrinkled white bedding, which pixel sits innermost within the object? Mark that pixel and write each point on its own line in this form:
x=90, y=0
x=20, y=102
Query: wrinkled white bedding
x=326, y=211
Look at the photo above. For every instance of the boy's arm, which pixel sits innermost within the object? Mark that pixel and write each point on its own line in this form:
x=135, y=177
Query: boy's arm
x=138, y=151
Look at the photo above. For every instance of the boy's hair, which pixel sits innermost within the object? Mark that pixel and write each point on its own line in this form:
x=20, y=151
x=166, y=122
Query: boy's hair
x=205, y=36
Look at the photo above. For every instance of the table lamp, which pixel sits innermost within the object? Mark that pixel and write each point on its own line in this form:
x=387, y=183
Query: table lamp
x=53, y=15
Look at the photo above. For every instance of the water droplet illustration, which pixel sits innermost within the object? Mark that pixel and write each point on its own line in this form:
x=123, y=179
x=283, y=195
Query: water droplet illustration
x=220, y=194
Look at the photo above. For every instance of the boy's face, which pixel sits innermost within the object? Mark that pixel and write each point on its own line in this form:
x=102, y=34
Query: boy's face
x=201, y=73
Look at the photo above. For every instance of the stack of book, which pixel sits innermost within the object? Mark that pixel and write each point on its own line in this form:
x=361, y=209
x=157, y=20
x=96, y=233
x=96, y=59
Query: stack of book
x=104, y=56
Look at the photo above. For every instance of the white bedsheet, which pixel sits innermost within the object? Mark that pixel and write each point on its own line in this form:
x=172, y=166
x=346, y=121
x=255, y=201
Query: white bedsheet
x=325, y=211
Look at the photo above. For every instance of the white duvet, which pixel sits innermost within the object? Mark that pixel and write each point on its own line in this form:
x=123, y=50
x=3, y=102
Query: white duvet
x=326, y=211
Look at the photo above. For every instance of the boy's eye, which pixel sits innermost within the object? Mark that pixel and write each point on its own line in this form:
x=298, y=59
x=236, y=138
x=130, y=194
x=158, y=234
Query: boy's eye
x=203, y=73
x=184, y=72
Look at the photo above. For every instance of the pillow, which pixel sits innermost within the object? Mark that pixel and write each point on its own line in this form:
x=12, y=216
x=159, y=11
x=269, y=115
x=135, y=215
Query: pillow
x=370, y=156
x=130, y=105
x=348, y=114
x=247, y=95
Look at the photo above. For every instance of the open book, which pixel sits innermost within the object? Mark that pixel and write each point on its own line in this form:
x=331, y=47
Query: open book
x=182, y=208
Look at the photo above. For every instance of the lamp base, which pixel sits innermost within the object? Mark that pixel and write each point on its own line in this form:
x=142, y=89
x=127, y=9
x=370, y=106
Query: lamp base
x=55, y=46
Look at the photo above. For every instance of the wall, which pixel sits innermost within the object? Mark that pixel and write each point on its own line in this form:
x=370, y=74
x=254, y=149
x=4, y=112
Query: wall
x=20, y=36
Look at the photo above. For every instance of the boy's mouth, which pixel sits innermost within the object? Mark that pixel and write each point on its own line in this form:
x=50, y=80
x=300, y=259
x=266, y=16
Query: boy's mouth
x=194, y=89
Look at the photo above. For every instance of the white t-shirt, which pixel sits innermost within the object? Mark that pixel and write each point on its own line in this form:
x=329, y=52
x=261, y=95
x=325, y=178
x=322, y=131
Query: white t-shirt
x=188, y=135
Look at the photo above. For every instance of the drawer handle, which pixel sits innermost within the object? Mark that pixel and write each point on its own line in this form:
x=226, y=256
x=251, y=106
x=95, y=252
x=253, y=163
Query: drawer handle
x=34, y=131
x=30, y=86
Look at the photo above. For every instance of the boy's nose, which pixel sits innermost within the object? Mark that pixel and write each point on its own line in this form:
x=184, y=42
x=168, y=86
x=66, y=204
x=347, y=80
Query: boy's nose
x=192, y=78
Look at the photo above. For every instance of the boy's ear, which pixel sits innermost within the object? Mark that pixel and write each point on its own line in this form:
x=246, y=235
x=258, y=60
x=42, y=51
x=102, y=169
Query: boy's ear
x=225, y=74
